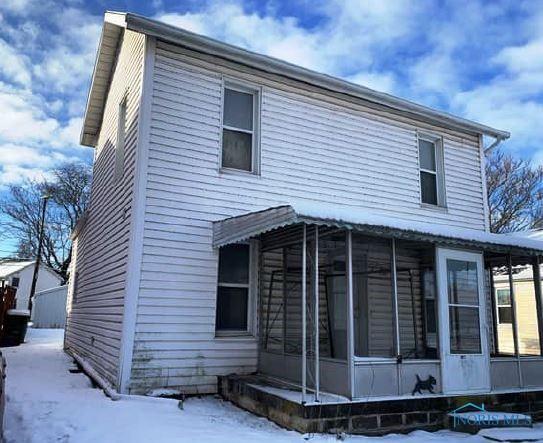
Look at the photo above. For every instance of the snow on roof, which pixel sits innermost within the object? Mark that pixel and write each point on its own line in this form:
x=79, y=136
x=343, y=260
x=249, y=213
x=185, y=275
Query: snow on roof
x=242, y=227
x=9, y=267
x=534, y=234
x=366, y=217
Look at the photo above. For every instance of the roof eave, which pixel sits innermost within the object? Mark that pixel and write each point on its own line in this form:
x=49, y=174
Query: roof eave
x=92, y=120
x=211, y=46
x=120, y=21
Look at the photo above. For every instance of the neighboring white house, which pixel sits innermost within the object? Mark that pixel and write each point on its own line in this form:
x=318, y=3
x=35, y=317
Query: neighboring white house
x=220, y=172
x=18, y=273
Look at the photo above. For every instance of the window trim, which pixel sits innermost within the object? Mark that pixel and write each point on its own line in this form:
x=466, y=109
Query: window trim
x=251, y=286
x=256, y=92
x=437, y=141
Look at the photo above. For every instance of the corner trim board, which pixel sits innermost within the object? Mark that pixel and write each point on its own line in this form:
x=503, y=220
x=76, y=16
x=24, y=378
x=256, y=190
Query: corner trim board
x=135, y=247
x=482, y=159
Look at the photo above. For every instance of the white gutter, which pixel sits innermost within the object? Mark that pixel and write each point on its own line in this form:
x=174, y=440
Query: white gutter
x=494, y=145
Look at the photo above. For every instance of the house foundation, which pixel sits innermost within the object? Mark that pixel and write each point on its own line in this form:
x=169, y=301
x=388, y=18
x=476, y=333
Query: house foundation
x=281, y=404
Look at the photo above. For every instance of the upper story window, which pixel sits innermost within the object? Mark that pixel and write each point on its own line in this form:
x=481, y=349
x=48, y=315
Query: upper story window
x=121, y=140
x=233, y=288
x=240, y=128
x=15, y=282
x=432, y=182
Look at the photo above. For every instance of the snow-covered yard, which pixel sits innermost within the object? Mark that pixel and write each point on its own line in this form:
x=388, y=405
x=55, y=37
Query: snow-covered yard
x=47, y=403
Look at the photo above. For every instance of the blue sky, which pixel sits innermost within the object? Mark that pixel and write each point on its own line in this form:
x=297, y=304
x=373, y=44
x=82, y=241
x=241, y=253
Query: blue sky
x=479, y=59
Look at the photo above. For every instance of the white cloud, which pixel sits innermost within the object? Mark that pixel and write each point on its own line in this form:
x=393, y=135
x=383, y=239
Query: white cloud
x=14, y=174
x=511, y=100
x=277, y=37
x=346, y=40
x=13, y=154
x=47, y=56
x=434, y=73
x=384, y=82
x=523, y=58
x=66, y=64
x=21, y=162
x=15, y=6
x=23, y=118
x=69, y=134
x=14, y=66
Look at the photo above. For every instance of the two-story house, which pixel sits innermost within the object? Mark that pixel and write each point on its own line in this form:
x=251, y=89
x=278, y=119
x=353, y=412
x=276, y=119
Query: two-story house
x=249, y=216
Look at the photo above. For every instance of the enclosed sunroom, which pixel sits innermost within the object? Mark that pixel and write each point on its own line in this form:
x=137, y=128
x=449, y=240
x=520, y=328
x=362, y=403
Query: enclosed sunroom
x=354, y=308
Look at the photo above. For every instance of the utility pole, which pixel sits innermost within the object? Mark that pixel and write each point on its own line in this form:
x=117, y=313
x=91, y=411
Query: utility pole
x=38, y=258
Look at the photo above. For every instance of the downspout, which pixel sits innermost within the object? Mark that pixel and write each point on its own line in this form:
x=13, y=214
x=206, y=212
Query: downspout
x=483, y=153
x=494, y=145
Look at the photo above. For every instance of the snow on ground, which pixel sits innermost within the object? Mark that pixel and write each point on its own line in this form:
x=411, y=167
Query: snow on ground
x=47, y=403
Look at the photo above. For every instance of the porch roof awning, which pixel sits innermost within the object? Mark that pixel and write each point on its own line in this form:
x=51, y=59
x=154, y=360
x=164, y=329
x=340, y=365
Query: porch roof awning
x=243, y=227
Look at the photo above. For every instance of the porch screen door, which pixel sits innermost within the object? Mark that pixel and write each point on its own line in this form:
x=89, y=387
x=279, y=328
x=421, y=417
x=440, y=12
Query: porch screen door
x=464, y=351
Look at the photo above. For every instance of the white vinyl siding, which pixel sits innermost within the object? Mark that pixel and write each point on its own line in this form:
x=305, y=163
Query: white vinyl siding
x=94, y=322
x=313, y=147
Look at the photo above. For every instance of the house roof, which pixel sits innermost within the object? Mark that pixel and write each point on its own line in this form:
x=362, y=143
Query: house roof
x=9, y=267
x=242, y=227
x=116, y=22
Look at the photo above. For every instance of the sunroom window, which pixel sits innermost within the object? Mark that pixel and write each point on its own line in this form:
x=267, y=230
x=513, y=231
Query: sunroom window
x=503, y=301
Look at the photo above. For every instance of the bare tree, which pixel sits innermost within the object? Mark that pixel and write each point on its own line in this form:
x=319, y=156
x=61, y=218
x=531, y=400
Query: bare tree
x=69, y=189
x=515, y=193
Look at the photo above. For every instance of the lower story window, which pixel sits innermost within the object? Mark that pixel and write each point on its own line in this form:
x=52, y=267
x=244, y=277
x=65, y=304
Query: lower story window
x=505, y=311
x=233, y=288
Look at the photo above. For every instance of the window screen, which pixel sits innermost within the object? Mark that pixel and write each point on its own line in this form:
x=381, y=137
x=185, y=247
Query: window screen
x=372, y=297
x=233, y=288
x=238, y=136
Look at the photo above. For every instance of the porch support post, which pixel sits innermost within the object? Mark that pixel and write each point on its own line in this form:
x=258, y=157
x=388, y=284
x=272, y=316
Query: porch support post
x=538, y=299
x=284, y=290
x=495, y=334
x=396, y=319
x=304, y=312
x=514, y=312
x=316, y=314
x=350, y=314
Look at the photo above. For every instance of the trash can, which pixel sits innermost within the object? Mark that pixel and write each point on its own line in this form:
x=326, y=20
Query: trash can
x=16, y=323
